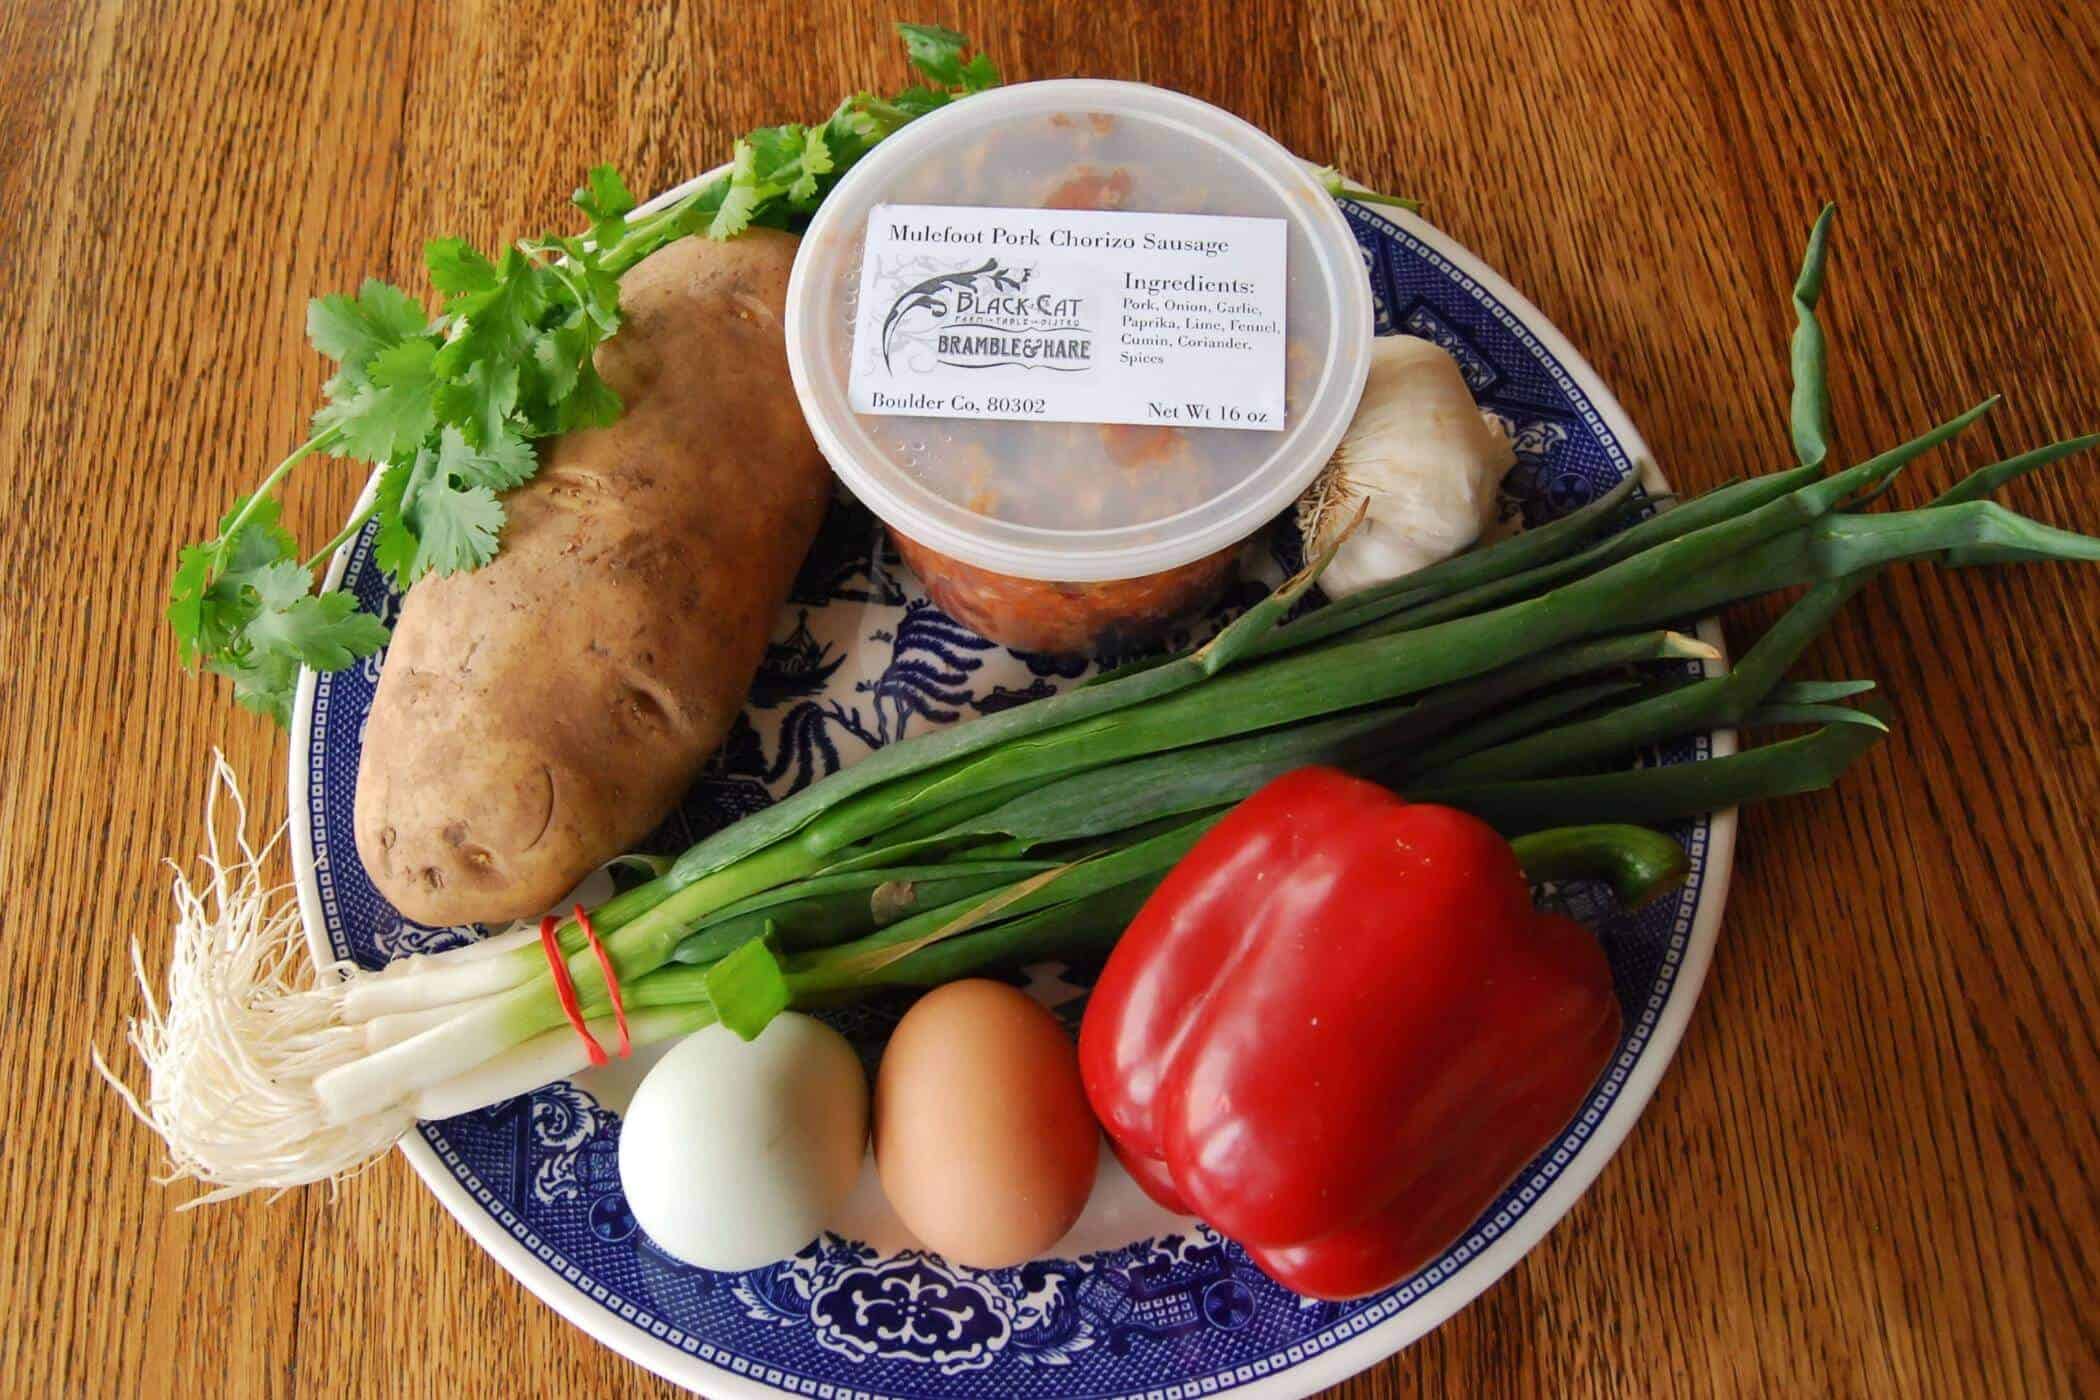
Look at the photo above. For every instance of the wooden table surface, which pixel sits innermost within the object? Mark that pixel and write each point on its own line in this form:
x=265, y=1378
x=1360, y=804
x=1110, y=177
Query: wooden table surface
x=1871, y=1169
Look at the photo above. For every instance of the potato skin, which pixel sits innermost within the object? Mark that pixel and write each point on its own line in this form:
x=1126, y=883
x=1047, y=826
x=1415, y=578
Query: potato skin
x=539, y=715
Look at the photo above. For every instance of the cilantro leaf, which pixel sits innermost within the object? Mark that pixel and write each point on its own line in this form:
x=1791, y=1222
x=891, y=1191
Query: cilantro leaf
x=506, y=460
x=265, y=682
x=591, y=404
x=206, y=611
x=392, y=413
x=918, y=101
x=438, y=511
x=771, y=165
x=246, y=612
x=557, y=359
x=496, y=330
x=816, y=160
x=394, y=544
x=605, y=201
x=261, y=538
x=457, y=268
x=501, y=319
x=455, y=527
x=277, y=584
x=774, y=149
x=734, y=215
x=602, y=304
x=935, y=51
x=980, y=73
x=593, y=291
x=779, y=174
x=850, y=133
x=325, y=632
x=353, y=330
x=480, y=402
x=186, y=600
x=340, y=388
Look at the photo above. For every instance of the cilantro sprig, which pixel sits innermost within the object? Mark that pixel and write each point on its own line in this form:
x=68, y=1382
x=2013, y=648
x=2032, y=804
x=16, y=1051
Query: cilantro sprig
x=451, y=407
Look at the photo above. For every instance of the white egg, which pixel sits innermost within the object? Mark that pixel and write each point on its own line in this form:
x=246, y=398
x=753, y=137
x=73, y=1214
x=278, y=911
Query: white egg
x=736, y=1154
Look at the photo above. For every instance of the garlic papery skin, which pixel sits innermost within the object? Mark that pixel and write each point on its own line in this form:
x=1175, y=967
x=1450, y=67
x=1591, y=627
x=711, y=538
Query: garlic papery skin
x=1421, y=461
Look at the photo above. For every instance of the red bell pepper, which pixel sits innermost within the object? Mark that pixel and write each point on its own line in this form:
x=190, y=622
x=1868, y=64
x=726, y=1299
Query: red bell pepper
x=1339, y=1028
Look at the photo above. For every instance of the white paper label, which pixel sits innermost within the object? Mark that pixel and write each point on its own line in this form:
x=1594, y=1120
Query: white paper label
x=1071, y=316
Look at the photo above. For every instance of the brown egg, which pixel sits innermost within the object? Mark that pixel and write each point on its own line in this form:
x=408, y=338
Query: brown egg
x=983, y=1138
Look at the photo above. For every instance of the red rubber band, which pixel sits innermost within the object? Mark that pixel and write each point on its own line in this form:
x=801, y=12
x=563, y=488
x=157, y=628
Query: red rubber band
x=612, y=983
x=565, y=989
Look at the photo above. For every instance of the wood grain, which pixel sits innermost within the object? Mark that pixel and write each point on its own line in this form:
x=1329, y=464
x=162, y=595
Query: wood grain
x=1871, y=1170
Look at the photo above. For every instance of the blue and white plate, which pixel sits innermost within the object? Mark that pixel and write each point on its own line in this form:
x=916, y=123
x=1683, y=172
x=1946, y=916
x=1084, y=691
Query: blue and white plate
x=1134, y=1301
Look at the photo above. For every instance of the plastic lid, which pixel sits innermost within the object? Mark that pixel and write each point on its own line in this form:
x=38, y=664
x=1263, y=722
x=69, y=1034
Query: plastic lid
x=1081, y=501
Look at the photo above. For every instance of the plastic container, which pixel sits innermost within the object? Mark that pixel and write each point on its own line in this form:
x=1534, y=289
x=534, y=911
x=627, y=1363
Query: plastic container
x=1076, y=537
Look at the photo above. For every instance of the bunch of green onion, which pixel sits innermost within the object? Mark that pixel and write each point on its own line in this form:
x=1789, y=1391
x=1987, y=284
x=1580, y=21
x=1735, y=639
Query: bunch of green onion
x=1499, y=682
x=1511, y=681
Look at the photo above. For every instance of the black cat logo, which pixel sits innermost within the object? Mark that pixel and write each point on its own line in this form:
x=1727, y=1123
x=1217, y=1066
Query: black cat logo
x=936, y=295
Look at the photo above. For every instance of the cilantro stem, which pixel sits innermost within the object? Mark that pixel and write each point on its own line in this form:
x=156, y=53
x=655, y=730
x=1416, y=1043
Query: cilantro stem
x=889, y=112
x=1341, y=187
x=344, y=535
x=647, y=233
x=318, y=442
x=639, y=226
x=561, y=275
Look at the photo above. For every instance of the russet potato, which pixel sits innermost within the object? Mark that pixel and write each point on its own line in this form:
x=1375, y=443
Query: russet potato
x=539, y=715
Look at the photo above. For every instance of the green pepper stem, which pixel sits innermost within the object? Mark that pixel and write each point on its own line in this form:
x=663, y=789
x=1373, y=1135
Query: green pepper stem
x=1640, y=864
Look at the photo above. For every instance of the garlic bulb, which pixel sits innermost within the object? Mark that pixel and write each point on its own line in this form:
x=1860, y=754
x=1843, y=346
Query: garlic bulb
x=1421, y=460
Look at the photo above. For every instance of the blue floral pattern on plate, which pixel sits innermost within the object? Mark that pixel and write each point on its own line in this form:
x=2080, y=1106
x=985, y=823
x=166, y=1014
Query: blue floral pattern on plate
x=861, y=659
